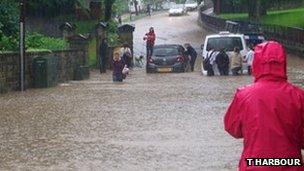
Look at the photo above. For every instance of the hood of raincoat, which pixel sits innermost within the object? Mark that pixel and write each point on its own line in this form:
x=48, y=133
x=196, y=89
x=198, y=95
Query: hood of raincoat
x=269, y=61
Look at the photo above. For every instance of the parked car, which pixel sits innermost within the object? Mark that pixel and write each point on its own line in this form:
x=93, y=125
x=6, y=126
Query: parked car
x=168, y=5
x=167, y=58
x=178, y=9
x=191, y=4
x=225, y=40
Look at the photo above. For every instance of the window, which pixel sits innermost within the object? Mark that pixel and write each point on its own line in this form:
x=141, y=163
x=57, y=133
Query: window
x=165, y=51
x=228, y=43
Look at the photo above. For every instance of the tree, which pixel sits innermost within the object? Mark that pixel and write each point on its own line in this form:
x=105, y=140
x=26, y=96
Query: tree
x=135, y=2
x=256, y=9
x=9, y=13
x=108, y=9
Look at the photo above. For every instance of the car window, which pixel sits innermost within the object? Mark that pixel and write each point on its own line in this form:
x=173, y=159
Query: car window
x=229, y=43
x=165, y=51
x=190, y=2
x=178, y=6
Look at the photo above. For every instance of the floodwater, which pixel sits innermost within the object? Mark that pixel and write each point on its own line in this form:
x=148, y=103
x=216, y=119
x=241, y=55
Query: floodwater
x=149, y=122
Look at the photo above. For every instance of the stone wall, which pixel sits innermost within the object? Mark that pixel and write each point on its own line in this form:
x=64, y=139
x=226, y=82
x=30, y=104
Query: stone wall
x=9, y=67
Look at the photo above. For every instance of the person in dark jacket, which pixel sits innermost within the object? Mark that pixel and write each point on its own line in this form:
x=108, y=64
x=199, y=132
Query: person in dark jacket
x=103, y=55
x=190, y=51
x=118, y=66
x=222, y=61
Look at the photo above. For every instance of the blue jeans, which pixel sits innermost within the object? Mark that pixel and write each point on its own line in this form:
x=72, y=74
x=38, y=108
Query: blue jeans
x=149, y=51
x=117, y=78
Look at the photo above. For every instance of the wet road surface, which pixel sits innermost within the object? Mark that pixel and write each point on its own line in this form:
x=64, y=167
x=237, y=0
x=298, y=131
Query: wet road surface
x=150, y=122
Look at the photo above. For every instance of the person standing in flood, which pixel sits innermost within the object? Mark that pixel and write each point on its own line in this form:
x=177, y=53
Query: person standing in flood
x=118, y=66
x=103, y=55
x=190, y=51
x=236, y=62
x=249, y=58
x=150, y=41
x=222, y=61
x=209, y=61
x=126, y=54
x=269, y=114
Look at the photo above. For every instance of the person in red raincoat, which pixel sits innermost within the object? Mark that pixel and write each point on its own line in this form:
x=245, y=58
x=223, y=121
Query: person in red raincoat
x=269, y=114
x=150, y=39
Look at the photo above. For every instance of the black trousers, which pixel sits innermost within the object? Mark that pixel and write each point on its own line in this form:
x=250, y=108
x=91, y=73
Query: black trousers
x=127, y=60
x=192, y=62
x=103, y=64
x=249, y=70
x=224, y=70
x=210, y=72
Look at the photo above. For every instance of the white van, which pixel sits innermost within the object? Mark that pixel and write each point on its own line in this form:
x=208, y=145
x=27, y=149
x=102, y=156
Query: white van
x=191, y=4
x=225, y=40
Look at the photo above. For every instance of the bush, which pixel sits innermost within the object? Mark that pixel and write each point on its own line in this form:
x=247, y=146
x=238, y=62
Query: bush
x=9, y=13
x=32, y=41
x=8, y=43
x=113, y=38
x=39, y=41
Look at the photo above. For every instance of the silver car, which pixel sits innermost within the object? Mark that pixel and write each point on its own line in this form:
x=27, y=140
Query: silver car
x=178, y=9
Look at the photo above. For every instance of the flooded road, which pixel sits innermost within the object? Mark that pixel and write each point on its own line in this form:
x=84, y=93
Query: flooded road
x=150, y=122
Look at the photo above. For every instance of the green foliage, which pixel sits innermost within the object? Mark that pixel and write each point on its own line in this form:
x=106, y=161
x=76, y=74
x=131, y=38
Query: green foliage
x=52, y=8
x=291, y=18
x=8, y=43
x=113, y=38
x=39, y=41
x=86, y=26
x=258, y=8
x=120, y=6
x=92, y=53
x=9, y=14
x=33, y=41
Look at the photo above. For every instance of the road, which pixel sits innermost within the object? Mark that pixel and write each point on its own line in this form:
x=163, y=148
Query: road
x=150, y=122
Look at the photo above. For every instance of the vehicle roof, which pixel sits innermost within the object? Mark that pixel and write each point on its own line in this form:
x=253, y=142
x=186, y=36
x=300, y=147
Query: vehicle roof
x=178, y=5
x=167, y=45
x=191, y=1
x=224, y=35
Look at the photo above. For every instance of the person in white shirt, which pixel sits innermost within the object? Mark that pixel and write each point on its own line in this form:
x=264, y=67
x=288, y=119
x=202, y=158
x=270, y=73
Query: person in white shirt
x=249, y=58
x=211, y=57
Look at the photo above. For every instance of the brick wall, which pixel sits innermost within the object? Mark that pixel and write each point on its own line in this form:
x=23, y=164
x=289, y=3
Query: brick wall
x=9, y=67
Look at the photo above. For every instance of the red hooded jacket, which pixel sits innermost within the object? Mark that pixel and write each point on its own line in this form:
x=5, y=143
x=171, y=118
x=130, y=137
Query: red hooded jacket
x=269, y=114
x=150, y=38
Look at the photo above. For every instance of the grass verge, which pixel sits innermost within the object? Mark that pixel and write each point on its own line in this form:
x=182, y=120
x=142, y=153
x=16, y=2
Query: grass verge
x=291, y=17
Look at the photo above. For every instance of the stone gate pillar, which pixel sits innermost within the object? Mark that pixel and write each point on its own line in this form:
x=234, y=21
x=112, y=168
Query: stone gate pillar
x=125, y=33
x=79, y=41
x=76, y=41
x=68, y=30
